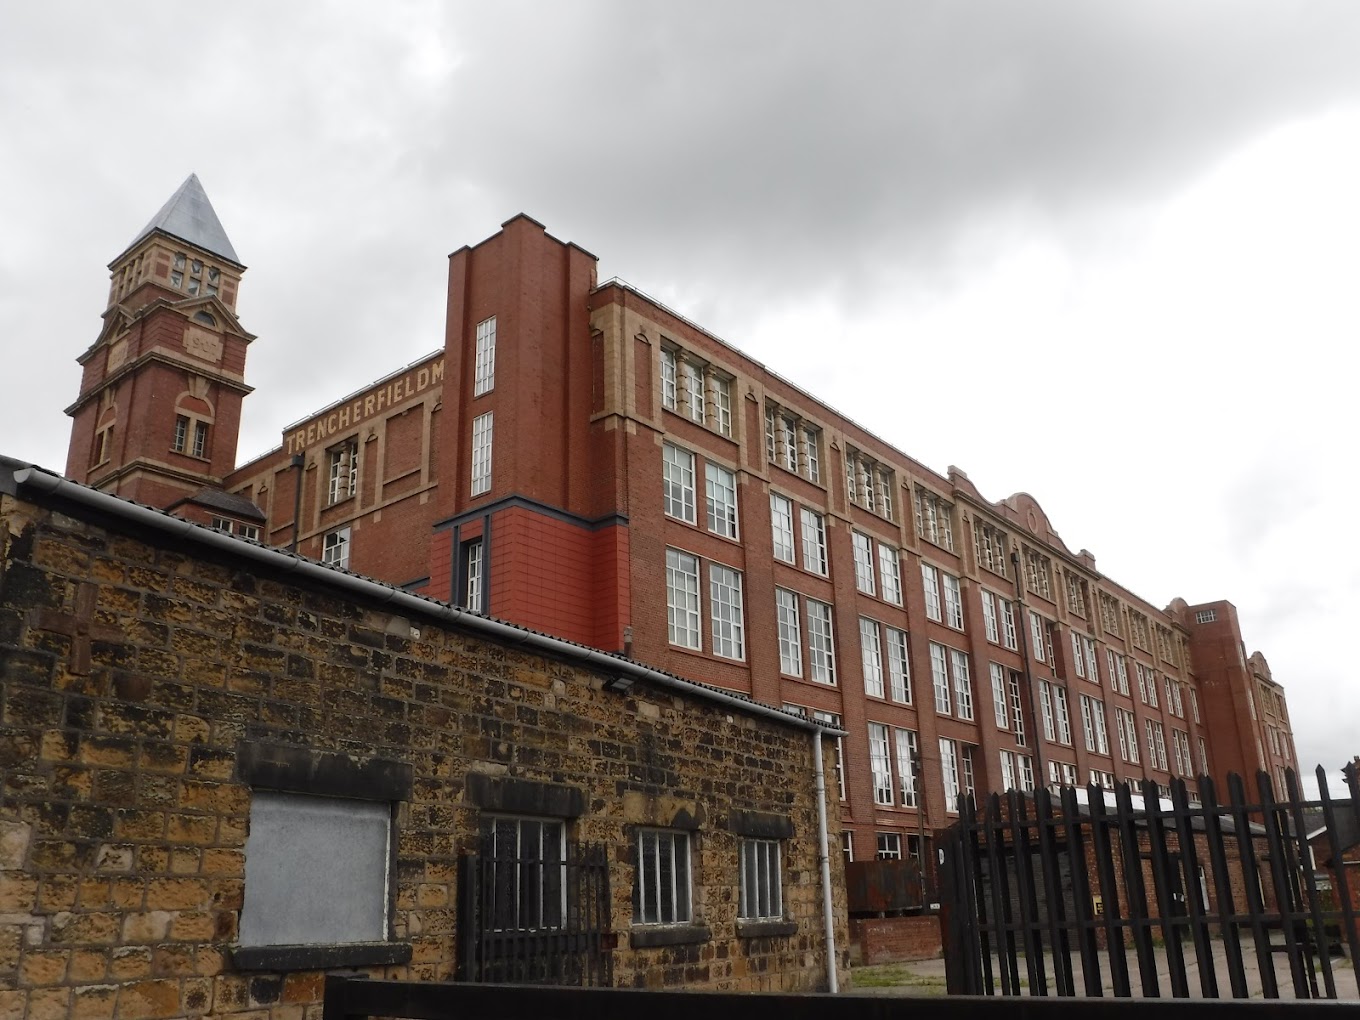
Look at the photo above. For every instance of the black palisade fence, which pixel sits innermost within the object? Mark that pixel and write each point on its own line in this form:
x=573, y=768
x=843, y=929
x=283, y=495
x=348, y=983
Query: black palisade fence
x=1093, y=893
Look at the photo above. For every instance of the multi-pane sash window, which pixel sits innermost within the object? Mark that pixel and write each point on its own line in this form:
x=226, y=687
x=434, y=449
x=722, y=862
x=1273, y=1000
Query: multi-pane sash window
x=989, y=544
x=953, y=601
x=335, y=548
x=889, y=846
x=693, y=377
x=1008, y=775
x=484, y=364
x=899, y=670
x=790, y=634
x=677, y=472
x=989, y=621
x=722, y=404
x=963, y=683
x=793, y=444
x=661, y=894
x=1008, y=635
x=1078, y=665
x=864, y=562
x=1156, y=741
x=999, y=701
x=1046, y=709
x=725, y=606
x=868, y=483
x=1026, y=772
x=1185, y=765
x=1109, y=614
x=930, y=581
x=821, y=648
x=1174, y=704
x=1038, y=572
x=889, y=575
x=1061, y=715
x=1118, y=670
x=788, y=426
x=472, y=567
x=1203, y=757
x=200, y=439
x=871, y=655
x=833, y=720
x=956, y=769
x=720, y=493
x=939, y=674
x=814, y=541
x=761, y=886
x=906, y=765
x=682, y=598
x=481, y=453
x=880, y=766
x=1194, y=703
x=1036, y=633
x=1127, y=729
x=1147, y=683
x=1076, y=595
x=668, y=379
x=1061, y=773
x=781, y=524
x=1093, y=725
x=811, y=441
x=1088, y=648
x=342, y=470
x=934, y=518
x=1017, y=713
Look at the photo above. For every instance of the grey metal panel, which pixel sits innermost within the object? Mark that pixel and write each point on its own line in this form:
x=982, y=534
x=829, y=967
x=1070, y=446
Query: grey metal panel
x=190, y=216
x=316, y=871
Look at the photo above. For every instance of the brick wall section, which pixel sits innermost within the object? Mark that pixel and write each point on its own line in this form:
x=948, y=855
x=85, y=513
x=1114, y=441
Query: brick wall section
x=123, y=822
x=894, y=939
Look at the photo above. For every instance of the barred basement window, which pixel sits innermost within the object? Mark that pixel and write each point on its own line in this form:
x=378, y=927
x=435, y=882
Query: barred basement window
x=761, y=887
x=661, y=893
x=934, y=518
x=528, y=887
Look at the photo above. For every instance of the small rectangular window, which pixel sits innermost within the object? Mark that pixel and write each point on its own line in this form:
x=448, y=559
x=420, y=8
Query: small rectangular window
x=668, y=380
x=472, y=575
x=335, y=548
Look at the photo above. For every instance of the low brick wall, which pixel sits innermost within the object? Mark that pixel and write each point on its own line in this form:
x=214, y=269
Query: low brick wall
x=894, y=939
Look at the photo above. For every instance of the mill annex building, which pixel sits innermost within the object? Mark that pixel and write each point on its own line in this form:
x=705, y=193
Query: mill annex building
x=578, y=459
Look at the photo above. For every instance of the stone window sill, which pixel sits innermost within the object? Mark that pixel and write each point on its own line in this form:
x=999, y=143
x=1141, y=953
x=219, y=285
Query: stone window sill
x=765, y=929
x=668, y=935
x=357, y=954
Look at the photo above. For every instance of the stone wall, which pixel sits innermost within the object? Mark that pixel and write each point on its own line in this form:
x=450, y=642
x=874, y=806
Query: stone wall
x=136, y=678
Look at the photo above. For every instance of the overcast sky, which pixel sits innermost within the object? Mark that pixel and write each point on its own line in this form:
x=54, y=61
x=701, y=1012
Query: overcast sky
x=1106, y=253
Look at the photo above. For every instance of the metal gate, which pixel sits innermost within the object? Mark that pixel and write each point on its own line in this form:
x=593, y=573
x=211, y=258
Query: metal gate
x=525, y=919
x=1092, y=893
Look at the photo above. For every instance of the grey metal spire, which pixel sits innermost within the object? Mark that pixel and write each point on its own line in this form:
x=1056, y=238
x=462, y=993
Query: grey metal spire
x=189, y=216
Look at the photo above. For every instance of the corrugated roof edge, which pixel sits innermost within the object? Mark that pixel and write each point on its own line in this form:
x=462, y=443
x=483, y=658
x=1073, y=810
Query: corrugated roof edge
x=17, y=477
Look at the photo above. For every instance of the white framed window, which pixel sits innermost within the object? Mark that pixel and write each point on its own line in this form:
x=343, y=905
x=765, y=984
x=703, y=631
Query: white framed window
x=880, y=764
x=821, y=645
x=720, y=495
x=472, y=573
x=848, y=845
x=906, y=765
x=934, y=518
x=791, y=443
x=1008, y=773
x=1026, y=764
x=1185, y=765
x=342, y=463
x=693, y=378
x=481, y=453
x=1038, y=574
x=871, y=657
x=899, y=668
x=668, y=379
x=252, y=532
x=528, y=856
x=989, y=622
x=930, y=581
x=1203, y=757
x=788, y=427
x=1126, y=727
x=868, y=483
x=781, y=525
x=1008, y=635
x=1194, y=699
x=1037, y=634
x=888, y=846
x=1061, y=773
x=864, y=562
x=1061, y=715
x=812, y=458
x=725, y=607
x=814, y=541
x=484, y=363
x=722, y=404
x=661, y=892
x=682, y=598
x=939, y=675
x=677, y=470
x=1093, y=725
x=997, y=673
x=1046, y=710
x=953, y=601
x=1077, y=664
x=761, y=892
x=1118, y=670
x=1088, y=649
x=889, y=574
x=790, y=634
x=1017, y=710
x=963, y=684
x=989, y=544
x=833, y=720
x=949, y=774
x=335, y=548
x=1156, y=740
x=1206, y=616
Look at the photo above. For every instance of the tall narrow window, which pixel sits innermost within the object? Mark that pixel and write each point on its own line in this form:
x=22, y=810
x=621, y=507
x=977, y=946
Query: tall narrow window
x=880, y=766
x=677, y=471
x=939, y=674
x=953, y=601
x=963, y=683
x=200, y=439
x=949, y=773
x=814, y=541
x=864, y=563
x=725, y=607
x=342, y=470
x=722, y=404
x=899, y=669
x=930, y=581
x=472, y=572
x=811, y=454
x=720, y=493
x=181, y=440
x=889, y=574
x=906, y=765
x=481, y=453
x=833, y=720
x=484, y=365
x=781, y=525
x=821, y=646
x=871, y=656
x=790, y=633
x=1063, y=716
x=668, y=382
x=989, y=616
x=1036, y=633
x=1008, y=636
x=694, y=390
x=682, y=598
x=999, y=702
x=1046, y=709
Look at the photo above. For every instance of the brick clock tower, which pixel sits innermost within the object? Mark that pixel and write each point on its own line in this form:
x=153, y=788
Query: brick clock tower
x=160, y=399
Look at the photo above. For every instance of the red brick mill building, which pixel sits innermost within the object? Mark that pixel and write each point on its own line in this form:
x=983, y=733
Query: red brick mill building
x=578, y=459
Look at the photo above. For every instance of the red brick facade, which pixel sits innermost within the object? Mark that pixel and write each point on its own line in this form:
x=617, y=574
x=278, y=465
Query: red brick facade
x=568, y=532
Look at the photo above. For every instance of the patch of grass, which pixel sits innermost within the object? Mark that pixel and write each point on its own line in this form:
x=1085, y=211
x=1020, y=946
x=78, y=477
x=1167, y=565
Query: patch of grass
x=896, y=975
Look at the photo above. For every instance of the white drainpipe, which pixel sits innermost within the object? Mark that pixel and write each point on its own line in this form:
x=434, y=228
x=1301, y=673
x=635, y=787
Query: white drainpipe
x=828, y=916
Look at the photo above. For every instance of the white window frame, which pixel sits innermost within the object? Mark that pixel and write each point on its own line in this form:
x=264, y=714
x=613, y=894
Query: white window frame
x=864, y=562
x=342, y=470
x=696, y=406
x=833, y=720
x=483, y=427
x=1000, y=703
x=669, y=385
x=939, y=676
x=889, y=574
x=790, y=632
x=781, y=526
x=989, y=621
x=335, y=548
x=677, y=475
x=871, y=657
x=880, y=764
x=906, y=741
x=683, y=611
x=953, y=601
x=1062, y=715
x=670, y=887
x=821, y=642
x=720, y=499
x=949, y=774
x=722, y=404
x=726, y=611
x=963, y=683
x=899, y=665
x=484, y=363
x=813, y=526
x=760, y=886
x=930, y=582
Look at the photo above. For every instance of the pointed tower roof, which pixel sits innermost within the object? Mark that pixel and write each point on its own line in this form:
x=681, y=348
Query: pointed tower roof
x=190, y=216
